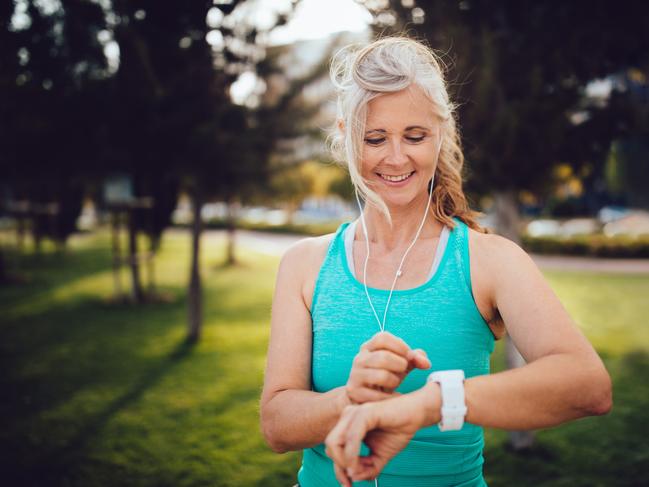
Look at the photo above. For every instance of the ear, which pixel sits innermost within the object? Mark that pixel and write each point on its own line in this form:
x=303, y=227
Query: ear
x=341, y=125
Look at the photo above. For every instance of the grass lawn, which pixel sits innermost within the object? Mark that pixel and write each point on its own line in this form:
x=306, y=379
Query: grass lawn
x=99, y=393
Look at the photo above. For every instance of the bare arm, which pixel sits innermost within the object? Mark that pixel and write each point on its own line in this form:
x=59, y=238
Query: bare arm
x=293, y=416
x=564, y=377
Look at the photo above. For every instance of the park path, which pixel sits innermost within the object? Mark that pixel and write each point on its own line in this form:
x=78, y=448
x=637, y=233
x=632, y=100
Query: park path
x=275, y=244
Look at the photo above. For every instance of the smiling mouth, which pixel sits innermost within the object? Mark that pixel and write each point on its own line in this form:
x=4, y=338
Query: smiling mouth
x=396, y=179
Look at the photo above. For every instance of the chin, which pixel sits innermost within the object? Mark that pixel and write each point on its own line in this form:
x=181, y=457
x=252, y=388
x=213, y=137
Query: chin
x=397, y=201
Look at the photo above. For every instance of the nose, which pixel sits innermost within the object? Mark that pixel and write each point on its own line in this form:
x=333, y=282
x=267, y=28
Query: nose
x=396, y=154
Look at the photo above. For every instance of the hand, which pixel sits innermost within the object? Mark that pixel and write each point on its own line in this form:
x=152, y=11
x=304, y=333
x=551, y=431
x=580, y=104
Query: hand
x=385, y=426
x=380, y=366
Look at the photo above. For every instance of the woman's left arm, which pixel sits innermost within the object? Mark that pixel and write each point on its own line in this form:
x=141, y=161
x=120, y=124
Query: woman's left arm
x=563, y=379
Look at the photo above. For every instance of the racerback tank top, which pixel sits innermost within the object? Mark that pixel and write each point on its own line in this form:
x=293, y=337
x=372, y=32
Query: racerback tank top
x=439, y=316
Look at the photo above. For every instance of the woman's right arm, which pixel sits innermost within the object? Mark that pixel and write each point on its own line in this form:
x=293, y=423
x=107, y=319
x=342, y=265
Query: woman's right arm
x=293, y=416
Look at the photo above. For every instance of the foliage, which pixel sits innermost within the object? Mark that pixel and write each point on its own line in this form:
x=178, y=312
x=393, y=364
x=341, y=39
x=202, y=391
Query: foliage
x=628, y=169
x=519, y=73
x=293, y=183
x=589, y=245
x=53, y=72
x=311, y=229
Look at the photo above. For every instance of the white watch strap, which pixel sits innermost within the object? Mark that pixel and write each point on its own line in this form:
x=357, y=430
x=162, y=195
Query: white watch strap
x=453, y=406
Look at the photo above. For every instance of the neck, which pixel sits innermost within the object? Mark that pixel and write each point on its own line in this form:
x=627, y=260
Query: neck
x=405, y=223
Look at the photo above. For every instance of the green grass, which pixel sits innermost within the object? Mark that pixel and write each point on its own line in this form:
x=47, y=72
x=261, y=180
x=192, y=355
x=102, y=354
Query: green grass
x=97, y=393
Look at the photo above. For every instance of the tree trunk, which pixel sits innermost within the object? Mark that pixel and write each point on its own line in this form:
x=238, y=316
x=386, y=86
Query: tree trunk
x=153, y=247
x=4, y=275
x=195, y=308
x=507, y=215
x=37, y=234
x=508, y=225
x=117, y=254
x=20, y=233
x=230, y=230
x=291, y=208
x=136, y=287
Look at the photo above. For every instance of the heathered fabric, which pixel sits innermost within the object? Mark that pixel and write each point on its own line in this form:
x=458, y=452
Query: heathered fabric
x=439, y=316
x=348, y=237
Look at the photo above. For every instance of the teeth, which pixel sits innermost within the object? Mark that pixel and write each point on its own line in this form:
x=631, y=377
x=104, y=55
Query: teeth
x=396, y=178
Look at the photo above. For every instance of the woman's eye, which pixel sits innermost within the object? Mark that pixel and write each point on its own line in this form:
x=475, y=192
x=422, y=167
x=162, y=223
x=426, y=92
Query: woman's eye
x=415, y=139
x=374, y=141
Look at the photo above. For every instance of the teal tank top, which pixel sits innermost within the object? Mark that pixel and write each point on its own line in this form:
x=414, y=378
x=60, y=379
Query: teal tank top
x=439, y=316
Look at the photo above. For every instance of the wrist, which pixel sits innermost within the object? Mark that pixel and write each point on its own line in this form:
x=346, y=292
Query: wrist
x=430, y=403
x=453, y=404
x=342, y=400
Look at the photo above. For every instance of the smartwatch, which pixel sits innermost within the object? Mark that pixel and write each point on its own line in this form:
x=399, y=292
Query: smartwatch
x=453, y=406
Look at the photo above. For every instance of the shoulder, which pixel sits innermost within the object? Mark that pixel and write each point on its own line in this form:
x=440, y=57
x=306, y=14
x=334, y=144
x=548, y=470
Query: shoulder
x=301, y=263
x=496, y=251
x=305, y=250
x=505, y=264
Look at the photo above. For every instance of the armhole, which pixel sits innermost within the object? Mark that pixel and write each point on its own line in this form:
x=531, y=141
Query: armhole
x=466, y=258
x=316, y=285
x=466, y=270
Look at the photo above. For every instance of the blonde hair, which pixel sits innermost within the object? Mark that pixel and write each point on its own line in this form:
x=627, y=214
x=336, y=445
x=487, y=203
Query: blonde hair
x=389, y=65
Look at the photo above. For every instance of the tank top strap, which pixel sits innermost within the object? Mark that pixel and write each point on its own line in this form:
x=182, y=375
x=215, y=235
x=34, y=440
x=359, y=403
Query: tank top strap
x=461, y=244
x=329, y=264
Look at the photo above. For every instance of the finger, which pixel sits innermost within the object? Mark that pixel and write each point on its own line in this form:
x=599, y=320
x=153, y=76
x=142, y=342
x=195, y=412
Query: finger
x=342, y=477
x=387, y=341
x=335, y=441
x=418, y=359
x=366, y=473
x=366, y=394
x=359, y=424
x=385, y=359
x=361, y=357
x=352, y=448
x=366, y=470
x=369, y=467
x=380, y=378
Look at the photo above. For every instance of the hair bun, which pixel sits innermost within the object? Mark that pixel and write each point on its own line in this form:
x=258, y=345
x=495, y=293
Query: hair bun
x=381, y=69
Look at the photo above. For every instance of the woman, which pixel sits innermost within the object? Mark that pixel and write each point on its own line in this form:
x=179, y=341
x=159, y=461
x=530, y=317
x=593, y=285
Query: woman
x=360, y=316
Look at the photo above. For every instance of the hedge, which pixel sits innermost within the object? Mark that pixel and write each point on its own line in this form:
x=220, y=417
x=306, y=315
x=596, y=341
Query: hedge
x=589, y=245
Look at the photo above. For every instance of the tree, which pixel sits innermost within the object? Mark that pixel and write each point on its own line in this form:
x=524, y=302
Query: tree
x=53, y=68
x=177, y=117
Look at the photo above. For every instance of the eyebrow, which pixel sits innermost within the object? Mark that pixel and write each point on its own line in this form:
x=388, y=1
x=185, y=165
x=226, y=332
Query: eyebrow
x=410, y=127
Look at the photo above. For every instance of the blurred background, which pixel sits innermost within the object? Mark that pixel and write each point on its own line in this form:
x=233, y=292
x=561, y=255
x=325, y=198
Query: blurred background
x=156, y=159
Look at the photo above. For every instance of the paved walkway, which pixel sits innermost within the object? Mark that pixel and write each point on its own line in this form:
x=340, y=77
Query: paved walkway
x=275, y=244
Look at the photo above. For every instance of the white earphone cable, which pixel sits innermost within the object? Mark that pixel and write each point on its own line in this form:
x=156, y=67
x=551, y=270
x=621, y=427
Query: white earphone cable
x=381, y=323
x=405, y=254
x=396, y=275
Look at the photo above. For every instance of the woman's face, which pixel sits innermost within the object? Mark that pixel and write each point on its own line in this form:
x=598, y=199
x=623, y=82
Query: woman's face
x=400, y=146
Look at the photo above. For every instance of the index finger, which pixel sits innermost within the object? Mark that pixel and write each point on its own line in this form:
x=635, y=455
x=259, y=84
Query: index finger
x=335, y=441
x=387, y=341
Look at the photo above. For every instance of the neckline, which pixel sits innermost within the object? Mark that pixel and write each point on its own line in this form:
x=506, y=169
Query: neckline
x=421, y=287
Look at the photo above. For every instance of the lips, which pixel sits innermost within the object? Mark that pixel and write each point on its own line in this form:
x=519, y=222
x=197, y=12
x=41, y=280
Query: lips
x=396, y=178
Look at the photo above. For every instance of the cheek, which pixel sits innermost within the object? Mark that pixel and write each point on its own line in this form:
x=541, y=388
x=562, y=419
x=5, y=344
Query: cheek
x=370, y=157
x=425, y=158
